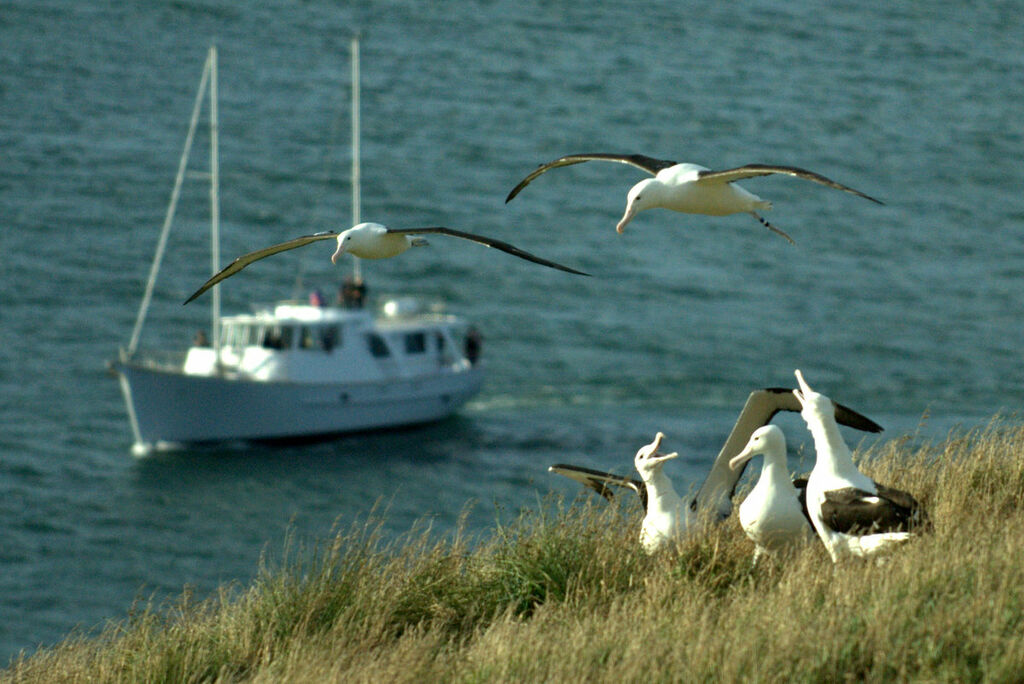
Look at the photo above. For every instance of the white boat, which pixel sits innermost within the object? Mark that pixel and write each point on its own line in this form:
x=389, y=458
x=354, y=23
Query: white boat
x=294, y=370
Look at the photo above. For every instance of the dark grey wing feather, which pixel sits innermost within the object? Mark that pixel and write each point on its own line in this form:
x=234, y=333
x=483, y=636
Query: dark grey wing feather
x=759, y=409
x=753, y=170
x=853, y=510
x=599, y=481
x=246, y=259
x=800, y=483
x=919, y=519
x=645, y=163
x=487, y=242
x=785, y=401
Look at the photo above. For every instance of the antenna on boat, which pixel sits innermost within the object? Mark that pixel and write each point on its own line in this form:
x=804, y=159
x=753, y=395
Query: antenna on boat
x=197, y=107
x=356, y=192
x=214, y=201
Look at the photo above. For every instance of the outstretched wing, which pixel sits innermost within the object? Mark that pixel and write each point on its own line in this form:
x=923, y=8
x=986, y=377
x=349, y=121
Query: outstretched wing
x=754, y=170
x=852, y=510
x=487, y=242
x=599, y=481
x=648, y=164
x=782, y=399
x=246, y=259
x=758, y=411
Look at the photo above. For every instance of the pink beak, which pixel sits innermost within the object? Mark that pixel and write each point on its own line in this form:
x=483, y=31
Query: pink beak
x=337, y=254
x=626, y=218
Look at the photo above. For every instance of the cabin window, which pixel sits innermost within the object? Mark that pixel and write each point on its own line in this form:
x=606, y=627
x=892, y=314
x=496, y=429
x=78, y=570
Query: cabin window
x=278, y=337
x=330, y=337
x=378, y=347
x=306, y=337
x=415, y=343
x=440, y=341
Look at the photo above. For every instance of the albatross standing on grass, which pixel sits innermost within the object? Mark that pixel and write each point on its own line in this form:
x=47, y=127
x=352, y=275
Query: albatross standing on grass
x=374, y=241
x=667, y=514
x=774, y=514
x=852, y=514
x=713, y=500
x=691, y=188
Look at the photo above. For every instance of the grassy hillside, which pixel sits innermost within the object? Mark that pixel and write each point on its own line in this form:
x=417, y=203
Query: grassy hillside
x=568, y=596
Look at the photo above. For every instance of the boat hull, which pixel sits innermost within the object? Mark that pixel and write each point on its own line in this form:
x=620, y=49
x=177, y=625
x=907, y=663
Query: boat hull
x=169, y=408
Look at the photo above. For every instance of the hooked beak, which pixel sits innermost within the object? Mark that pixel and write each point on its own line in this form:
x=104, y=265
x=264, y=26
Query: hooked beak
x=737, y=461
x=804, y=387
x=652, y=453
x=337, y=254
x=627, y=217
x=657, y=457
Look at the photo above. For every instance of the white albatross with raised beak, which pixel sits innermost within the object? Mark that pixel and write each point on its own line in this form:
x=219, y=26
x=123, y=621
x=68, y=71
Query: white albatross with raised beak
x=852, y=514
x=773, y=515
x=667, y=514
x=374, y=241
x=691, y=188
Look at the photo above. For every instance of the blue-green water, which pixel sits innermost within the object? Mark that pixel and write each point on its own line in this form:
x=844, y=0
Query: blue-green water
x=898, y=310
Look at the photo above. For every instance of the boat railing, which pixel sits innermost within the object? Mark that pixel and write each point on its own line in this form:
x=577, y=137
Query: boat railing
x=160, y=359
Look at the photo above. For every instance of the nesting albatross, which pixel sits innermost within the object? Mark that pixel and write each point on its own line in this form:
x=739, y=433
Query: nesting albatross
x=691, y=188
x=713, y=500
x=852, y=514
x=374, y=241
x=774, y=514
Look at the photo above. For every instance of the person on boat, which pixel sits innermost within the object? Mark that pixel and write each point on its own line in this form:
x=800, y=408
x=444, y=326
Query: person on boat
x=200, y=340
x=474, y=341
x=353, y=293
x=316, y=298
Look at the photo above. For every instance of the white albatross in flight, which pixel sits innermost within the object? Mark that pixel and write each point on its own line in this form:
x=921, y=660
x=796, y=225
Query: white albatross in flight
x=691, y=188
x=852, y=514
x=774, y=513
x=713, y=500
x=374, y=241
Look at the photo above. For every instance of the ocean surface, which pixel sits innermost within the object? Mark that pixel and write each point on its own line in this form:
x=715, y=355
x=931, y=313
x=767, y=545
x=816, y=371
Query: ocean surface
x=912, y=312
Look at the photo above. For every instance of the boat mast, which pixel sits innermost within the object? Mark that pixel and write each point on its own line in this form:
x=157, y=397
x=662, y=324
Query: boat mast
x=356, y=193
x=214, y=201
x=172, y=206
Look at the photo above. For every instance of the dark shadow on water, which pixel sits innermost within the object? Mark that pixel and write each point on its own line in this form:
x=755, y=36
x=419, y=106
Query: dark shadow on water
x=411, y=445
x=258, y=489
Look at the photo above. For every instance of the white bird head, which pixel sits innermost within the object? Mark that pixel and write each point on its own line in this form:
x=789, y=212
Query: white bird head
x=649, y=460
x=639, y=197
x=348, y=239
x=767, y=440
x=358, y=240
x=813, y=403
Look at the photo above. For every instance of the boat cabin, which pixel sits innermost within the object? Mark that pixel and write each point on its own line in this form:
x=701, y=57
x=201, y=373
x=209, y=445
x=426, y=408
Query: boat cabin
x=304, y=343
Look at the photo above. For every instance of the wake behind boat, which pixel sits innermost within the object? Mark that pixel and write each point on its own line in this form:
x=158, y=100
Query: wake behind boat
x=294, y=370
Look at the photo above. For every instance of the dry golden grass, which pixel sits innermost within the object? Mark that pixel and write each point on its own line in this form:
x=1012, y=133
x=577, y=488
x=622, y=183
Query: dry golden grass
x=568, y=596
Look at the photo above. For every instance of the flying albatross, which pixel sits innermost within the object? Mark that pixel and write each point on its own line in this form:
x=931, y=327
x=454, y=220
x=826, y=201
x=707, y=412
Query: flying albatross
x=374, y=241
x=713, y=500
x=691, y=188
x=774, y=514
x=852, y=514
